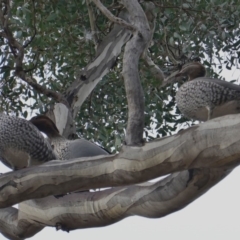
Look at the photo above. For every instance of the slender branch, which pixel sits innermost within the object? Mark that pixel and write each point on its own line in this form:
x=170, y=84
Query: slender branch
x=34, y=25
x=149, y=9
x=107, y=52
x=92, y=23
x=169, y=52
x=25, y=45
x=18, y=51
x=112, y=18
x=58, y=97
x=170, y=79
x=154, y=69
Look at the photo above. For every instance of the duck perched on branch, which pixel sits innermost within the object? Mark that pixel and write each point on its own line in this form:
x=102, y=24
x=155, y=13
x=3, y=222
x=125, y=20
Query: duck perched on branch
x=21, y=143
x=202, y=98
x=66, y=149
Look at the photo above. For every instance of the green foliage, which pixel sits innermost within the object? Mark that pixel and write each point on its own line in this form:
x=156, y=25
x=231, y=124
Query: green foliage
x=63, y=44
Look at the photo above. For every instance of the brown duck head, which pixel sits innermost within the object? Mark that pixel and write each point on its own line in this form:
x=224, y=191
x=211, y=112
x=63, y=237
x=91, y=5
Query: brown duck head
x=45, y=125
x=192, y=70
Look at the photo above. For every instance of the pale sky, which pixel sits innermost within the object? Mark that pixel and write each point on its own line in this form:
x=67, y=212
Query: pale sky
x=215, y=215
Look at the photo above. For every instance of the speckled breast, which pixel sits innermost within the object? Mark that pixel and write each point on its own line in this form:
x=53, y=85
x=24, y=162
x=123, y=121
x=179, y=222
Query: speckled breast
x=195, y=98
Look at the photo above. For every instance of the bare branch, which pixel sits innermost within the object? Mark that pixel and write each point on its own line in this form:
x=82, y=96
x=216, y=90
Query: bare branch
x=34, y=25
x=155, y=70
x=149, y=8
x=170, y=79
x=92, y=23
x=18, y=52
x=31, y=39
x=202, y=146
x=112, y=18
x=107, y=52
x=14, y=228
x=152, y=200
x=134, y=92
x=58, y=97
x=169, y=52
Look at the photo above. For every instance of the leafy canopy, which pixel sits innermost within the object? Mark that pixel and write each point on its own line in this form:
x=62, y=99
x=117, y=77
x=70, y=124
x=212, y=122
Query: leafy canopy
x=60, y=42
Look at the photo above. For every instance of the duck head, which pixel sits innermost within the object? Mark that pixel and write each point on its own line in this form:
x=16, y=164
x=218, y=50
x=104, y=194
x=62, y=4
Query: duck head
x=45, y=125
x=192, y=70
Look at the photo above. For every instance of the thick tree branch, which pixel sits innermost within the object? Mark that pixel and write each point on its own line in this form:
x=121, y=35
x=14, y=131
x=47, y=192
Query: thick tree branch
x=101, y=208
x=214, y=144
x=107, y=53
x=14, y=228
x=134, y=92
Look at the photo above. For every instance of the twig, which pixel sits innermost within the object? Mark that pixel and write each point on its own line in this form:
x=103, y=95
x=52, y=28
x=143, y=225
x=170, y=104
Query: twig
x=151, y=17
x=112, y=18
x=92, y=23
x=170, y=53
x=18, y=52
x=40, y=89
x=25, y=45
x=155, y=70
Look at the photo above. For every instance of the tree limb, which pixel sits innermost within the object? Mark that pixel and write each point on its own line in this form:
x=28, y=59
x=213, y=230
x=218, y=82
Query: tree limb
x=149, y=9
x=101, y=208
x=92, y=23
x=214, y=144
x=14, y=228
x=18, y=52
x=107, y=53
x=134, y=92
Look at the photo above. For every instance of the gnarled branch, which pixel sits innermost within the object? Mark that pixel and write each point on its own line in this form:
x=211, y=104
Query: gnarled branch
x=152, y=200
x=202, y=146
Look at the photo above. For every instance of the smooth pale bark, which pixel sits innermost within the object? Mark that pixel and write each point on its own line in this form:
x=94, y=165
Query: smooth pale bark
x=14, y=228
x=107, y=53
x=214, y=144
x=101, y=208
x=209, y=151
x=134, y=92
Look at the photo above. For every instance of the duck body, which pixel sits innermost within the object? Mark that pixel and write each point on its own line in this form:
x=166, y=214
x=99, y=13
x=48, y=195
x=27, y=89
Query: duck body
x=204, y=98
x=22, y=144
x=207, y=98
x=69, y=149
x=64, y=148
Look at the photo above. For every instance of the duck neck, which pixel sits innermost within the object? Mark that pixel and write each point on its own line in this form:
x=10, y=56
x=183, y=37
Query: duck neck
x=55, y=137
x=193, y=70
